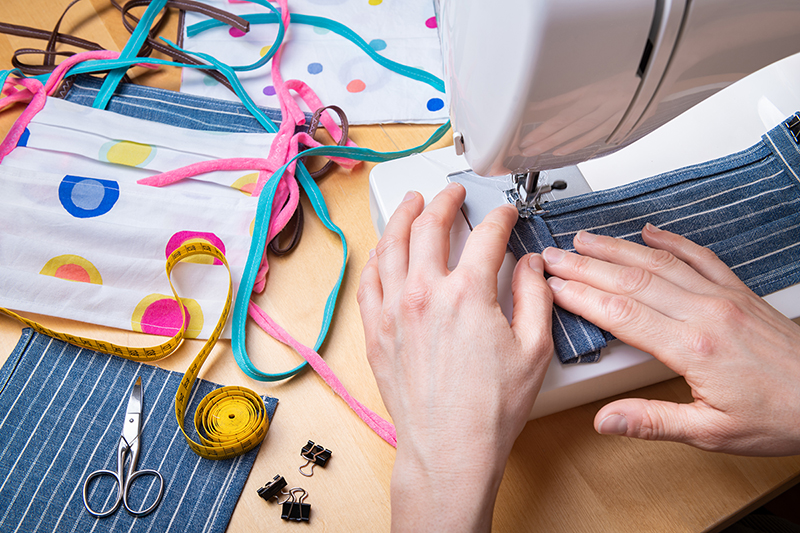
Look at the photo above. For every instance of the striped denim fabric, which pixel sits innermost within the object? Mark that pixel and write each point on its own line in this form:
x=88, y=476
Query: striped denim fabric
x=744, y=207
x=61, y=410
x=170, y=107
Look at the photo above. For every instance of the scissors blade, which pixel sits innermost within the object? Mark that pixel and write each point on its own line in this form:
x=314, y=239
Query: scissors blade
x=133, y=414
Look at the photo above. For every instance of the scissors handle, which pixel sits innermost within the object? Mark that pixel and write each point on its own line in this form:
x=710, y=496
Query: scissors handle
x=127, y=490
x=89, y=478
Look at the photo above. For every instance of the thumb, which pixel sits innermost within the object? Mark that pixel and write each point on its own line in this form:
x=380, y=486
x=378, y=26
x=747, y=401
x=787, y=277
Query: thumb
x=650, y=420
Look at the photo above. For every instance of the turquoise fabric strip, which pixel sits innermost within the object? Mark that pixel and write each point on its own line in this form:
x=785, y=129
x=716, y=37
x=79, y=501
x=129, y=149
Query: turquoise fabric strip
x=336, y=27
x=264, y=209
x=259, y=241
x=131, y=49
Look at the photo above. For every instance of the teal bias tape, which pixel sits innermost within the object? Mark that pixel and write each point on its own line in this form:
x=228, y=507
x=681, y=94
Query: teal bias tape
x=132, y=48
x=259, y=241
x=336, y=27
x=264, y=207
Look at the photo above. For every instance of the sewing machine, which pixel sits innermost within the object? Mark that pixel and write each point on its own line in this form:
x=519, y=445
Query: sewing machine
x=539, y=90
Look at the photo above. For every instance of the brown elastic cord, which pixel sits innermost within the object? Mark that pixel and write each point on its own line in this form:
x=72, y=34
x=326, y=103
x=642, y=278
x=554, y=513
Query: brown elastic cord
x=153, y=43
x=294, y=228
x=49, y=53
x=312, y=130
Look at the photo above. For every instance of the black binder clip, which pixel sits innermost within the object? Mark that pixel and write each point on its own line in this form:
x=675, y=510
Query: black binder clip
x=314, y=455
x=273, y=488
x=294, y=508
x=793, y=125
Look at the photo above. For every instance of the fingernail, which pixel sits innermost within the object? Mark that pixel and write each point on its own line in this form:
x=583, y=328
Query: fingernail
x=372, y=253
x=556, y=284
x=585, y=237
x=454, y=185
x=651, y=228
x=613, y=425
x=553, y=255
x=409, y=196
x=536, y=264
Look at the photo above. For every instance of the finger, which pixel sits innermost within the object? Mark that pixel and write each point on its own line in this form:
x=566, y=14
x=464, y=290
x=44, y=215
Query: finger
x=430, y=233
x=630, y=281
x=660, y=262
x=486, y=245
x=533, y=307
x=659, y=420
x=629, y=320
x=370, y=298
x=701, y=259
x=392, y=248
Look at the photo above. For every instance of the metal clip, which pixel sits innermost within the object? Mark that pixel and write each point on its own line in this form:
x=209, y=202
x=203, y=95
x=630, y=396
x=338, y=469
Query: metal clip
x=314, y=455
x=527, y=193
x=295, y=509
x=273, y=488
x=793, y=124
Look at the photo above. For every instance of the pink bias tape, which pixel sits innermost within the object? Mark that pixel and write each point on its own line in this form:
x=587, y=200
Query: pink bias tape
x=384, y=429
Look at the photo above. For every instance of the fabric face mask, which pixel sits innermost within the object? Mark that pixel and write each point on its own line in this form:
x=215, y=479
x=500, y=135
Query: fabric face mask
x=80, y=239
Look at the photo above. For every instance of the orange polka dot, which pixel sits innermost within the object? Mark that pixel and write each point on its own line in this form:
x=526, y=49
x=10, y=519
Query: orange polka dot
x=73, y=273
x=356, y=86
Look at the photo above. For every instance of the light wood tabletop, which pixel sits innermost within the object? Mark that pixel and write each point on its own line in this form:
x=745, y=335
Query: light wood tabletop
x=561, y=475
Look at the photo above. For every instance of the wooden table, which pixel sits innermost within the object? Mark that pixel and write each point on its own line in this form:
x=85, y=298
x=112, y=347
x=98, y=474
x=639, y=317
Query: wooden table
x=561, y=475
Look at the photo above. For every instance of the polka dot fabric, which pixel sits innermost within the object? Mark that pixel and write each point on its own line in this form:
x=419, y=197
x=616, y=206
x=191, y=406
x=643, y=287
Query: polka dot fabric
x=93, y=243
x=336, y=69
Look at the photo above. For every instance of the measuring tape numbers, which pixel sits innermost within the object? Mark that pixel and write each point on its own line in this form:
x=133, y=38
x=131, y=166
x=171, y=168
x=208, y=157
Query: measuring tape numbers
x=230, y=420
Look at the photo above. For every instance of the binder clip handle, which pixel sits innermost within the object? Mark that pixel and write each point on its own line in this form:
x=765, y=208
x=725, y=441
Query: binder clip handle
x=314, y=454
x=294, y=508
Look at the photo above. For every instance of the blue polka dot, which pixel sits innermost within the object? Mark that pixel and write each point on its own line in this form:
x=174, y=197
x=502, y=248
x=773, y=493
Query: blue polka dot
x=314, y=68
x=87, y=197
x=209, y=81
x=435, y=104
x=378, y=44
x=23, y=139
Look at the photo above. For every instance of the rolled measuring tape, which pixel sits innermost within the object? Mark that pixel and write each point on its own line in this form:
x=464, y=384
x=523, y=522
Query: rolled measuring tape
x=230, y=420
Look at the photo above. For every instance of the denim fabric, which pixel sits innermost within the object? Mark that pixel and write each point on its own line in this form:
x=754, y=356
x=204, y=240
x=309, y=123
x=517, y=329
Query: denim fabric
x=744, y=207
x=169, y=107
x=61, y=411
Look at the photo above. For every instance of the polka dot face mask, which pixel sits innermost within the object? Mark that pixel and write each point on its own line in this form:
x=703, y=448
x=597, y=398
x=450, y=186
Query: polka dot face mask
x=82, y=240
x=336, y=69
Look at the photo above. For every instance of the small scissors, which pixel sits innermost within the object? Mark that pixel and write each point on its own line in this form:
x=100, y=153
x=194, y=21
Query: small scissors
x=129, y=443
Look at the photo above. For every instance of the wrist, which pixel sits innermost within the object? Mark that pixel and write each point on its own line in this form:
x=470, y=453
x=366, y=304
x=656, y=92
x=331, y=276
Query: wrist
x=453, y=489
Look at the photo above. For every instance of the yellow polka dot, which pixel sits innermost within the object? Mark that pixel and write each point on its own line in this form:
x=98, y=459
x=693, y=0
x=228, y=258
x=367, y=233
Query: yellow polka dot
x=265, y=50
x=375, y=2
x=246, y=183
x=127, y=153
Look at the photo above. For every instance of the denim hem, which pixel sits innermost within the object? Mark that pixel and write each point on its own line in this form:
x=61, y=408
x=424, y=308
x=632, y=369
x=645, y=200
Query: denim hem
x=13, y=359
x=170, y=107
x=744, y=207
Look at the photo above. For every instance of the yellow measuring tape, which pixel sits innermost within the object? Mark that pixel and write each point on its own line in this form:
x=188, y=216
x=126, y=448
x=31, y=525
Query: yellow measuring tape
x=231, y=420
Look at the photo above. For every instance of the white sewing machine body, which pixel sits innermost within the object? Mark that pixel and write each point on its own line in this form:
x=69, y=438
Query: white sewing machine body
x=563, y=82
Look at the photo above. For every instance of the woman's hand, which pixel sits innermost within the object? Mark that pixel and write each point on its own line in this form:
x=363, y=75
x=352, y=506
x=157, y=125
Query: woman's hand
x=677, y=301
x=457, y=379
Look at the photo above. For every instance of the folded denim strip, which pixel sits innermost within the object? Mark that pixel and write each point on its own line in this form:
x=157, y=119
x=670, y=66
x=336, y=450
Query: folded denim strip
x=169, y=107
x=60, y=418
x=744, y=207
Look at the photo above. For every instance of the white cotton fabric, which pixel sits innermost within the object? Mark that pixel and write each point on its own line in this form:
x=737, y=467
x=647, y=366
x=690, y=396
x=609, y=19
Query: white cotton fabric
x=404, y=32
x=45, y=216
